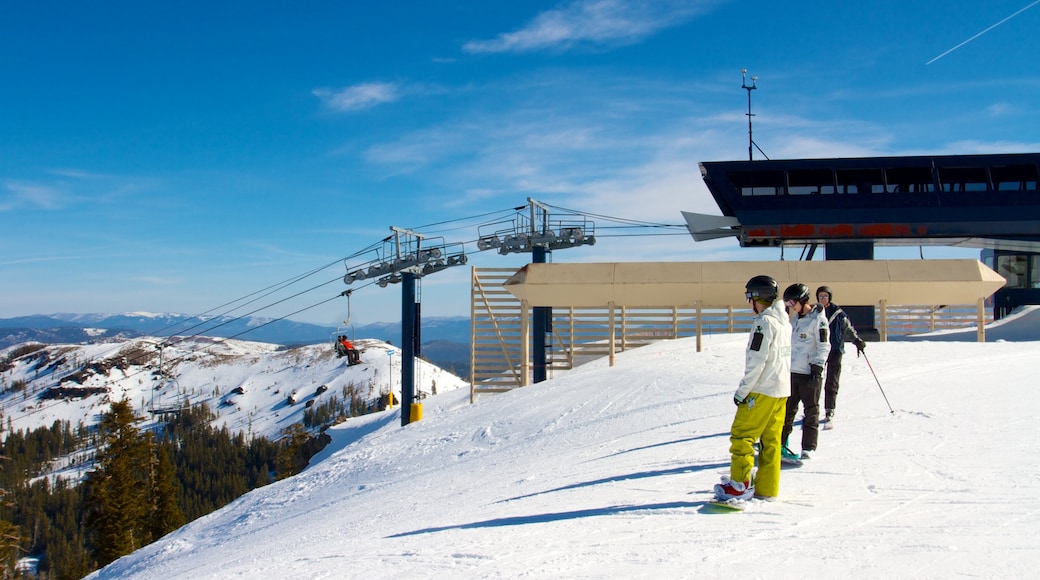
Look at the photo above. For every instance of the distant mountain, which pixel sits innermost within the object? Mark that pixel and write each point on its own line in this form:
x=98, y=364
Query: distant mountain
x=254, y=388
x=285, y=332
x=449, y=328
x=61, y=335
x=452, y=333
x=448, y=355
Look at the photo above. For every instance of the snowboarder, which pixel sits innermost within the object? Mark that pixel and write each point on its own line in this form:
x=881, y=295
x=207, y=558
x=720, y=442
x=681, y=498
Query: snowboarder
x=810, y=345
x=760, y=398
x=841, y=332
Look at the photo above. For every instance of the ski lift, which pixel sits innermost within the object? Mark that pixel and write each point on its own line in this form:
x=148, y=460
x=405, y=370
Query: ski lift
x=339, y=338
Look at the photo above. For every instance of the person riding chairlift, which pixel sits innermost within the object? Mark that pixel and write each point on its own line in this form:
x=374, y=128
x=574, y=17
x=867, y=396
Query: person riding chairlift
x=345, y=347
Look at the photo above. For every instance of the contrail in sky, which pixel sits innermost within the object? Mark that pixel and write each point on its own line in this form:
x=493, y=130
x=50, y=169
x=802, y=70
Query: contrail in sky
x=1034, y=3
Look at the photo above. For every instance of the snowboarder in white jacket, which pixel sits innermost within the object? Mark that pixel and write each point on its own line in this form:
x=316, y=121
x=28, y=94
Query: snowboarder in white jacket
x=761, y=398
x=810, y=345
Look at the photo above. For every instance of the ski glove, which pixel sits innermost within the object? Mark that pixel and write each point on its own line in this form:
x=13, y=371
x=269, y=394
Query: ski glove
x=817, y=372
x=860, y=347
x=749, y=400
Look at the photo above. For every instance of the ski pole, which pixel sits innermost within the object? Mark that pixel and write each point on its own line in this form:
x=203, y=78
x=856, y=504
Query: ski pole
x=871, y=367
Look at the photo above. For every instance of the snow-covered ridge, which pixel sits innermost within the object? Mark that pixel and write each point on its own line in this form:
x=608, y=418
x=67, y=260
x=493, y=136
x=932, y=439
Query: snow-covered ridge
x=248, y=384
x=605, y=471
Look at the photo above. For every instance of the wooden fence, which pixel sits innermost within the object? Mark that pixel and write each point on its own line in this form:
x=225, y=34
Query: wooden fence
x=500, y=341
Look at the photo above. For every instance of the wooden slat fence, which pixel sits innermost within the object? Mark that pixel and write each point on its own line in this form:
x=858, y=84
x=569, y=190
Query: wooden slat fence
x=582, y=334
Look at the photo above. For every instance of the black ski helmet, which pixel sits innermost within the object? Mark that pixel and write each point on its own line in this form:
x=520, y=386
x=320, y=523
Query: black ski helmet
x=797, y=292
x=826, y=289
x=762, y=288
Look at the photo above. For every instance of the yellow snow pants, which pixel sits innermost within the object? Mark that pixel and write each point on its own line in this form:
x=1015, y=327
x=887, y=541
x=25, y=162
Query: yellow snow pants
x=762, y=420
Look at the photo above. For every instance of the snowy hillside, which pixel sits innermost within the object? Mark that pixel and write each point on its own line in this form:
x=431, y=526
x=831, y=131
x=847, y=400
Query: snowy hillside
x=249, y=384
x=605, y=472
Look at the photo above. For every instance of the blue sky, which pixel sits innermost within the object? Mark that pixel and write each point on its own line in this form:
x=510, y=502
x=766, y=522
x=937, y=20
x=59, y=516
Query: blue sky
x=175, y=157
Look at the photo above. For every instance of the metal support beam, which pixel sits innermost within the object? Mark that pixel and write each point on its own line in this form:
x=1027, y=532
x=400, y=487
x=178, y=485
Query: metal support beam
x=408, y=351
x=539, y=324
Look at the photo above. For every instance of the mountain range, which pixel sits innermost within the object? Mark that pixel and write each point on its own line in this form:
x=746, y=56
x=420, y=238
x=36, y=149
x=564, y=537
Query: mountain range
x=253, y=388
x=445, y=340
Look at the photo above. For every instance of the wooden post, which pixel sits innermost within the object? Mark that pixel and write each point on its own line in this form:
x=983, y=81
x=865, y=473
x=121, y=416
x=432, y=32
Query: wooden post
x=883, y=331
x=700, y=326
x=981, y=316
x=570, y=339
x=624, y=328
x=525, y=343
x=473, y=283
x=610, y=338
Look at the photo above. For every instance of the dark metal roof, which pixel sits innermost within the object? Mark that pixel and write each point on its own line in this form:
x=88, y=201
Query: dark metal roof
x=975, y=200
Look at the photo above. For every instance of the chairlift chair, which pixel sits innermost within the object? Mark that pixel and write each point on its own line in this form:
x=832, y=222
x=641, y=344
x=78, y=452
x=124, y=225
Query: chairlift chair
x=341, y=330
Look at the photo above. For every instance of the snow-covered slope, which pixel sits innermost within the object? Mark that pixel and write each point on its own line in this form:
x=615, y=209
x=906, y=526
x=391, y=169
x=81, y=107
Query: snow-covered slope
x=248, y=384
x=605, y=472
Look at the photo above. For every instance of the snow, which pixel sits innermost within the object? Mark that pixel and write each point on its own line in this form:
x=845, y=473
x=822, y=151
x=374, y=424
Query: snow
x=206, y=370
x=605, y=472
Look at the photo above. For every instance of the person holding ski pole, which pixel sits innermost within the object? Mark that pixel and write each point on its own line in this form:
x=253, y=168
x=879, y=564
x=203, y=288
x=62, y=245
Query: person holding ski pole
x=810, y=345
x=841, y=332
x=761, y=398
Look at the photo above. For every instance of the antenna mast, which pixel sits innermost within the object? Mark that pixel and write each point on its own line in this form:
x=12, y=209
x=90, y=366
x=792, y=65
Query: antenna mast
x=749, y=88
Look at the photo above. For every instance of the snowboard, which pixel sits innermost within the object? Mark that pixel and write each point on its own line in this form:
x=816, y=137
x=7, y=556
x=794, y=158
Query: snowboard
x=828, y=425
x=736, y=505
x=790, y=463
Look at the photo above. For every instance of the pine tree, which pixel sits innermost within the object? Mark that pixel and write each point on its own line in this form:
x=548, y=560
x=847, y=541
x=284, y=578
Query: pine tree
x=117, y=496
x=11, y=541
x=166, y=508
x=294, y=437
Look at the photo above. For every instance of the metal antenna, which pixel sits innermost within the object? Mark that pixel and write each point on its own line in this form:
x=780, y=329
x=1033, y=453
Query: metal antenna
x=744, y=85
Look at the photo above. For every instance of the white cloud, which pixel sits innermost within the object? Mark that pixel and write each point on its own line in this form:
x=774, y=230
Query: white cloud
x=593, y=22
x=1000, y=109
x=359, y=97
x=63, y=188
x=22, y=194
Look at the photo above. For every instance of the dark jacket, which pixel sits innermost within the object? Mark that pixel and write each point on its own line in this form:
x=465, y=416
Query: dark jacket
x=841, y=329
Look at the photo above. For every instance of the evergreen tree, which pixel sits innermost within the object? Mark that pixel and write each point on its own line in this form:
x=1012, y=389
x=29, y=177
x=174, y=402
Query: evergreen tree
x=11, y=542
x=10, y=548
x=117, y=493
x=188, y=471
x=166, y=508
x=294, y=437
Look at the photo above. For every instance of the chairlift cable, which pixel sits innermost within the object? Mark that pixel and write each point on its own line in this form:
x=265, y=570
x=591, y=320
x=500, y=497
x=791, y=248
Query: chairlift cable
x=272, y=288
x=218, y=340
x=269, y=290
x=610, y=218
x=504, y=211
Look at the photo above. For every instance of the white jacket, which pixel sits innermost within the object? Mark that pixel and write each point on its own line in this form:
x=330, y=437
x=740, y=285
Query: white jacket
x=810, y=341
x=767, y=364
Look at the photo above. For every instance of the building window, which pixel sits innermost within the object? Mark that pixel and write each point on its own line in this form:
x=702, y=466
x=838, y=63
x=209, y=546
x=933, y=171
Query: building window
x=862, y=181
x=1015, y=269
x=1014, y=177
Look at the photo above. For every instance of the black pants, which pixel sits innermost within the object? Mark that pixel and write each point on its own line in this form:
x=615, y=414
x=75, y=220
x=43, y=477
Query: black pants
x=830, y=388
x=804, y=390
